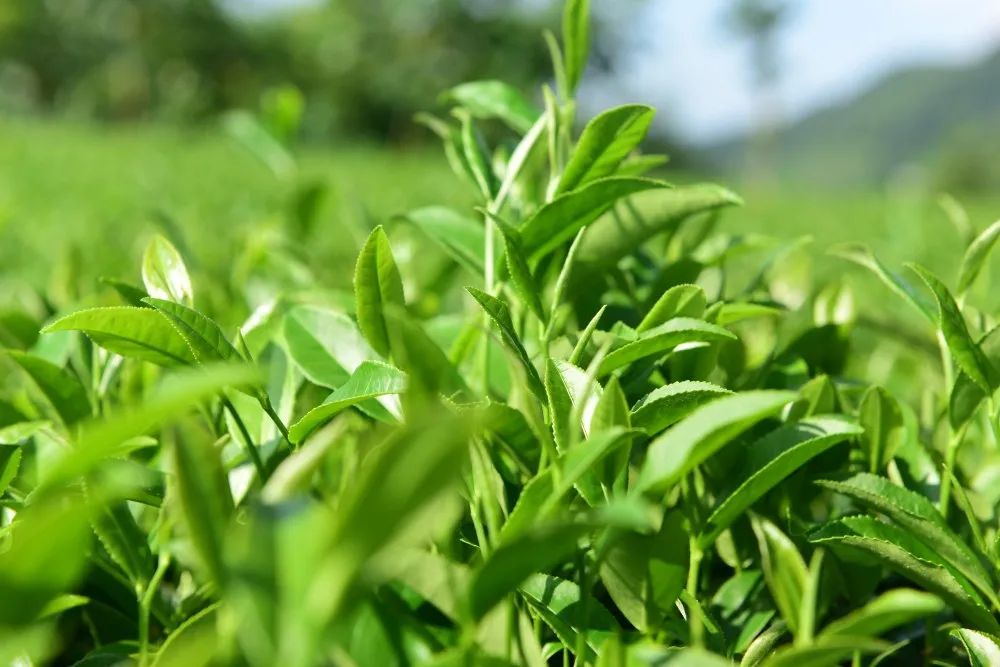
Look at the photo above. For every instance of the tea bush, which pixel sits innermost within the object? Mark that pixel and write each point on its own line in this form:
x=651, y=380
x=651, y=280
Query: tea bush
x=558, y=427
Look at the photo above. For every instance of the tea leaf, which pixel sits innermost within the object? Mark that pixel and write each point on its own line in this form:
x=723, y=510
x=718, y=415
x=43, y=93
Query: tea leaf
x=61, y=390
x=370, y=380
x=969, y=356
x=662, y=339
x=672, y=402
x=773, y=458
x=141, y=333
x=605, y=141
x=703, y=432
x=500, y=315
x=887, y=611
x=559, y=220
x=495, y=99
x=976, y=255
x=164, y=273
x=377, y=284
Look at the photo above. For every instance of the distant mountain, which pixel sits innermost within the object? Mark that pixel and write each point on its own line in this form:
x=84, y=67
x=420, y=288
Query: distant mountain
x=946, y=119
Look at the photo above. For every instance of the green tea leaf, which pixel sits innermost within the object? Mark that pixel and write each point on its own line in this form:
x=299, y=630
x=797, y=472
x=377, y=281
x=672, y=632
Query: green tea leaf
x=520, y=272
x=203, y=336
x=559, y=220
x=141, y=333
x=644, y=574
x=377, y=284
x=773, y=458
x=495, y=99
x=662, y=339
x=326, y=345
x=825, y=652
x=500, y=315
x=611, y=238
x=62, y=391
x=900, y=551
x=966, y=396
x=889, y=610
x=124, y=540
x=881, y=417
x=679, y=301
x=576, y=38
x=864, y=257
x=164, y=273
x=983, y=649
x=559, y=603
x=785, y=572
x=921, y=518
x=969, y=356
x=605, y=141
x=672, y=402
x=975, y=256
x=703, y=432
x=371, y=379
x=459, y=236
x=204, y=501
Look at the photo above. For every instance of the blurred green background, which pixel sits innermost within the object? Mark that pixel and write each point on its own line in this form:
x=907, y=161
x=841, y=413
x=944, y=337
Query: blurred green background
x=219, y=121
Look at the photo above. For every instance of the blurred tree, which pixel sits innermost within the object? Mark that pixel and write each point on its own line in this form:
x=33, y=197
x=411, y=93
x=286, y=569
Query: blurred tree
x=759, y=21
x=363, y=65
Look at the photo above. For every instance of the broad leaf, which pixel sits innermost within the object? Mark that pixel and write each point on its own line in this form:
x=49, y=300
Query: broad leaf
x=902, y=552
x=644, y=574
x=662, y=339
x=142, y=333
x=703, y=432
x=672, y=402
x=889, y=610
x=773, y=458
x=921, y=518
x=605, y=141
x=679, y=301
x=516, y=560
x=371, y=379
x=558, y=221
x=461, y=237
x=983, y=649
x=495, y=99
x=203, y=336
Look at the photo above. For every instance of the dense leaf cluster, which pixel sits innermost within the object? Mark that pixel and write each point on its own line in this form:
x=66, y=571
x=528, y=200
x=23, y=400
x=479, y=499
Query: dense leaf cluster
x=608, y=448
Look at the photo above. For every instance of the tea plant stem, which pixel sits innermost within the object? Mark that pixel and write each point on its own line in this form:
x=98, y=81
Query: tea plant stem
x=949, y=464
x=146, y=603
x=694, y=615
x=252, y=452
x=269, y=409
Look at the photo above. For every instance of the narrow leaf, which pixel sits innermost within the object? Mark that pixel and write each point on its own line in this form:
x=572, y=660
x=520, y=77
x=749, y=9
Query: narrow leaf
x=377, y=284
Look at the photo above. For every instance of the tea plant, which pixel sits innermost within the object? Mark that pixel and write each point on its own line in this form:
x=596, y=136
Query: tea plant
x=554, y=428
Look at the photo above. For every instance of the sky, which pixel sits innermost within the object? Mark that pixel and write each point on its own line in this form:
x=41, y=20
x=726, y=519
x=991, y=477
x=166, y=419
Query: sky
x=687, y=64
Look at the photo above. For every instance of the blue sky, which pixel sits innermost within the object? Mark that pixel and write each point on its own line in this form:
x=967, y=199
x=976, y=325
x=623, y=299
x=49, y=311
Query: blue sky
x=688, y=65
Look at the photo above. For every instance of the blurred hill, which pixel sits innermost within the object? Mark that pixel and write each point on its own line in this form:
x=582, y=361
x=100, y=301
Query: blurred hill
x=941, y=124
